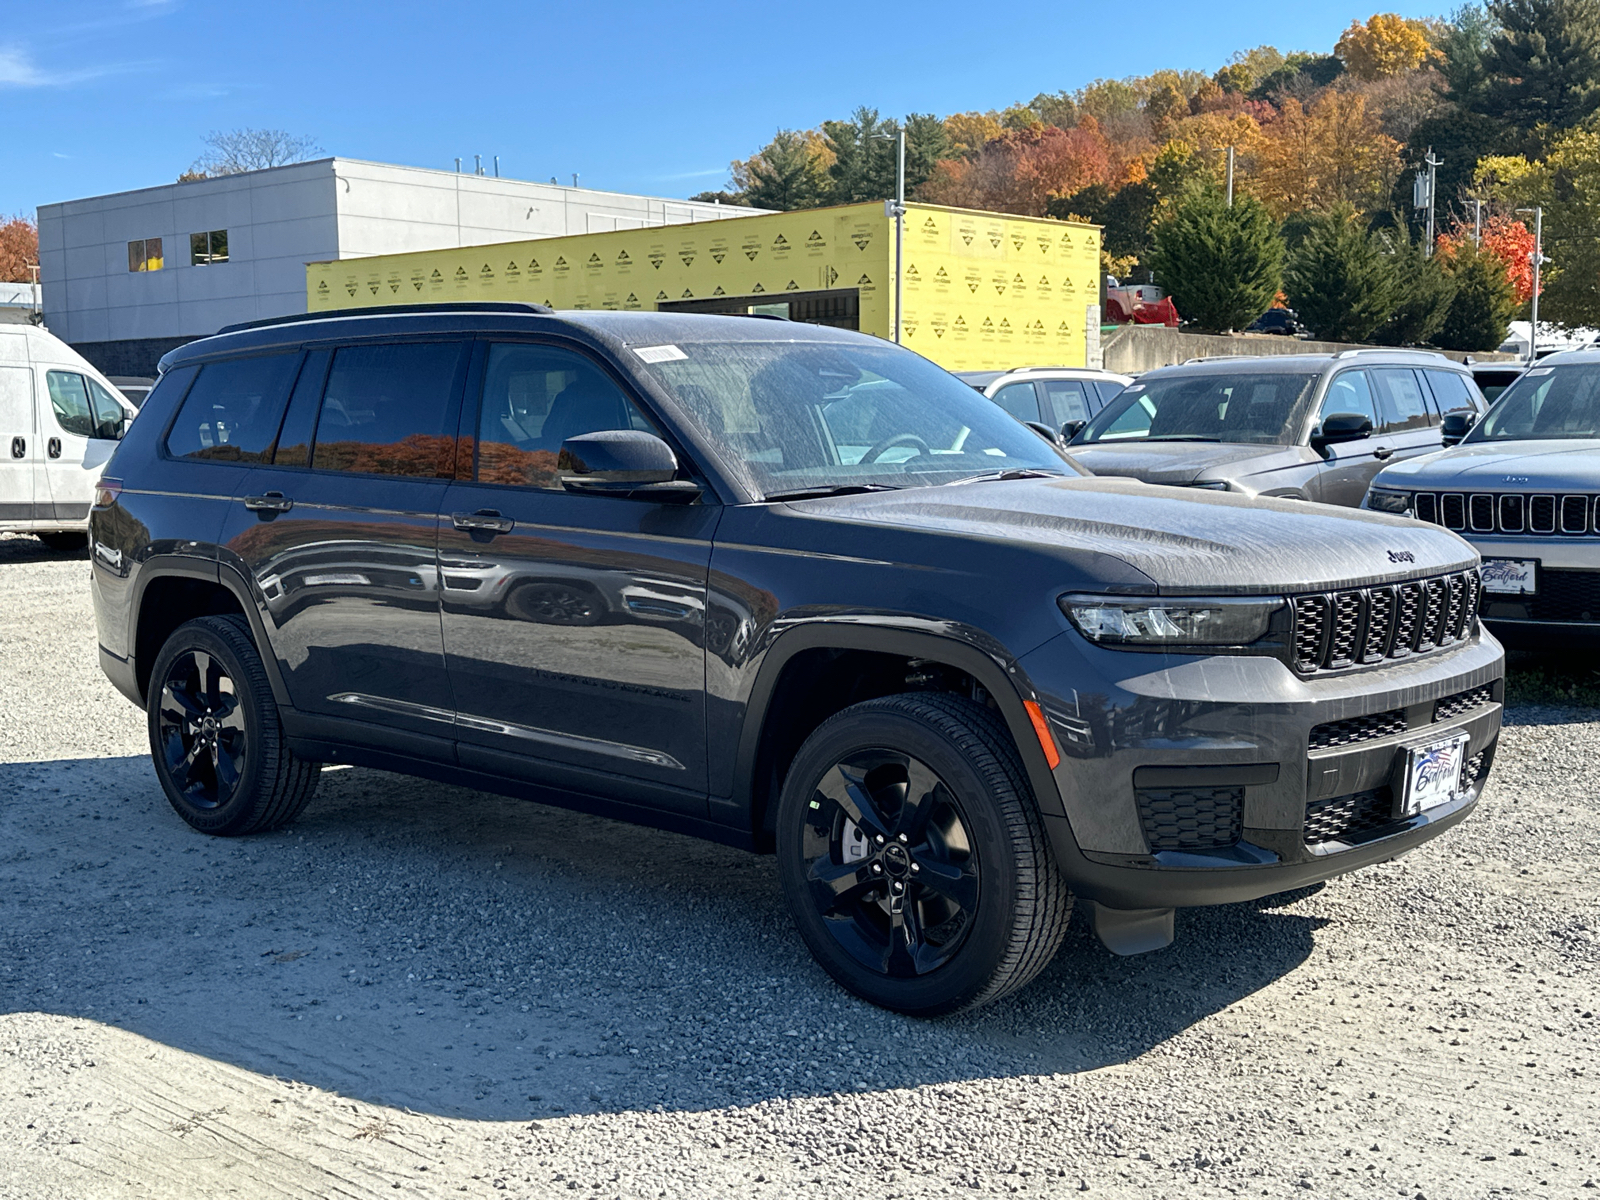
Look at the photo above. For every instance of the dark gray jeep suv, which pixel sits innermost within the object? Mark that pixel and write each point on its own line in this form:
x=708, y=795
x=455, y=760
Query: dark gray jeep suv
x=788, y=587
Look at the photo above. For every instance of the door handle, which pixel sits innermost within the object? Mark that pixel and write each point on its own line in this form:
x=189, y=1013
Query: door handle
x=1381, y=452
x=19, y=447
x=271, y=502
x=485, y=520
x=53, y=448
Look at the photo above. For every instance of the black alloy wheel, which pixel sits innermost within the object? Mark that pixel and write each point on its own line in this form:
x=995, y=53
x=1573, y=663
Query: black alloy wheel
x=555, y=604
x=201, y=730
x=215, y=736
x=913, y=856
x=889, y=863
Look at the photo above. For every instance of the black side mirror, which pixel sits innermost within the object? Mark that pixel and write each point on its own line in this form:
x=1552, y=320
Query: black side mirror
x=623, y=462
x=1071, y=429
x=1456, y=426
x=1044, y=431
x=1341, y=427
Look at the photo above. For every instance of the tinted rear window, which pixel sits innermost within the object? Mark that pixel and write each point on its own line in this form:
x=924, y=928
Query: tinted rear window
x=231, y=413
x=387, y=410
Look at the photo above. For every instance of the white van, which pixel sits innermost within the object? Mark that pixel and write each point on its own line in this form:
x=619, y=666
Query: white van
x=60, y=419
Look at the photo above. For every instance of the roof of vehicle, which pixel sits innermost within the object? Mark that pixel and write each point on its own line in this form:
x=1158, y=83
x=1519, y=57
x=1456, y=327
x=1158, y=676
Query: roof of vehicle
x=629, y=328
x=1305, y=364
x=982, y=380
x=1561, y=358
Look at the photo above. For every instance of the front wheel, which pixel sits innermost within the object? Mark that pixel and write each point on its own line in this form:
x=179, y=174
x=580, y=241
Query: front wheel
x=215, y=736
x=913, y=857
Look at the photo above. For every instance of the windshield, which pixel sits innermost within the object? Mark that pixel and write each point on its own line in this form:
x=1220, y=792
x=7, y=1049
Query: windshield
x=1547, y=402
x=1249, y=407
x=797, y=416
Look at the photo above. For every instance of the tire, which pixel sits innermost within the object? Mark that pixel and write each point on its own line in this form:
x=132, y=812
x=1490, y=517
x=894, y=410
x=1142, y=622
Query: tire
x=215, y=737
x=64, y=542
x=982, y=907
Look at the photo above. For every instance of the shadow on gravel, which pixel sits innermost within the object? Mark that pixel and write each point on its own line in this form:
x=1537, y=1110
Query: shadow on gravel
x=462, y=954
x=25, y=548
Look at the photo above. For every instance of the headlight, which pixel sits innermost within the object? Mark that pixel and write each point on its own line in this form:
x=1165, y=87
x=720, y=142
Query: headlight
x=1211, y=485
x=1383, y=500
x=1116, y=620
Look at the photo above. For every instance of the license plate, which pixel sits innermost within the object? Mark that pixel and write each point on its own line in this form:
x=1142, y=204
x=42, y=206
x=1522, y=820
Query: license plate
x=1511, y=576
x=1433, y=774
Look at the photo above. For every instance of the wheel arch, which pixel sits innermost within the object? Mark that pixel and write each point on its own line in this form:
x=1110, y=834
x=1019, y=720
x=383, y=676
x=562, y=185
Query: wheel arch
x=757, y=778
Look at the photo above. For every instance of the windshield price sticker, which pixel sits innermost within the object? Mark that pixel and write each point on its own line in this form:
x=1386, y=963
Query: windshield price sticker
x=1541, y=371
x=659, y=354
x=1511, y=576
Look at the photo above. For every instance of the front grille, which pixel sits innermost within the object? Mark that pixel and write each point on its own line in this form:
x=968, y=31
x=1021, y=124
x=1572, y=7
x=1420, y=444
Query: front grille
x=1451, y=707
x=1473, y=771
x=1345, y=817
x=1191, y=818
x=1566, y=596
x=1336, y=630
x=1358, y=729
x=1538, y=514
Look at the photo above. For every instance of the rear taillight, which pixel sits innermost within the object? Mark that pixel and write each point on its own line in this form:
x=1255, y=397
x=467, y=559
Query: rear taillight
x=106, y=492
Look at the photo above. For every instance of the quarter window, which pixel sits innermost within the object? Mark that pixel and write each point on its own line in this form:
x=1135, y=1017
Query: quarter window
x=536, y=397
x=386, y=410
x=231, y=413
x=1401, y=401
x=1018, y=399
x=208, y=248
x=1451, y=391
x=145, y=255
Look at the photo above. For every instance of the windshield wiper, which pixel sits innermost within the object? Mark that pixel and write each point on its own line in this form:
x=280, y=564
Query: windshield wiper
x=1010, y=473
x=831, y=489
x=1177, y=437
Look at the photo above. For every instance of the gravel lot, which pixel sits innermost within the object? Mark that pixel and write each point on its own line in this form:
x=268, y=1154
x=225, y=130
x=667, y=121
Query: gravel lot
x=434, y=991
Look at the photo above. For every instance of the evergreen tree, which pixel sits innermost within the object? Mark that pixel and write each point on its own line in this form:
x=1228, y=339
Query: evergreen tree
x=1543, y=64
x=1423, y=293
x=1222, y=266
x=864, y=157
x=786, y=175
x=1460, y=140
x=1340, y=279
x=1484, y=303
x=926, y=143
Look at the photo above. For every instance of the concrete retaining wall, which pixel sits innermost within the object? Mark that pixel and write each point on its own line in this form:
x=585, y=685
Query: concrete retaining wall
x=1133, y=349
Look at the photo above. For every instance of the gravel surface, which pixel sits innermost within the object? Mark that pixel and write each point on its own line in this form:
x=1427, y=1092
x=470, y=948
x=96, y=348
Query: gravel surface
x=435, y=991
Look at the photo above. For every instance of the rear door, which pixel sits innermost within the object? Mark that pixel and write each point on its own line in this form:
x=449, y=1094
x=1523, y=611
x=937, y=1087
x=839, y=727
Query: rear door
x=338, y=531
x=1410, y=423
x=19, y=448
x=1348, y=467
x=574, y=625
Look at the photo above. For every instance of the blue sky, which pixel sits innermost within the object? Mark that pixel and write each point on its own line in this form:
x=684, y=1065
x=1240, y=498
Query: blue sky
x=109, y=95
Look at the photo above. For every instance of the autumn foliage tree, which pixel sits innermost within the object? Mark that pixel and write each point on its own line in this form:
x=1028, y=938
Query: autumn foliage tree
x=1332, y=153
x=1386, y=45
x=19, y=250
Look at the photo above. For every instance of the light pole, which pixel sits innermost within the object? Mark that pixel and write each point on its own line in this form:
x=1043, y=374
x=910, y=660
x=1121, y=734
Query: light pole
x=1433, y=164
x=896, y=208
x=1537, y=257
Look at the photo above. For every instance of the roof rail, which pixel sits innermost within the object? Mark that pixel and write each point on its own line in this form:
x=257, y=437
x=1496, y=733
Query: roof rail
x=1221, y=358
x=1040, y=367
x=451, y=306
x=1385, y=350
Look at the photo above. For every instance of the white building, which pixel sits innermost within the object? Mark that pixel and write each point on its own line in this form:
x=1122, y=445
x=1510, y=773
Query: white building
x=129, y=276
x=19, y=303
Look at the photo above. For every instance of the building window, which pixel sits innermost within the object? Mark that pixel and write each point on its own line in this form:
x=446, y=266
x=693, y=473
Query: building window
x=207, y=248
x=145, y=255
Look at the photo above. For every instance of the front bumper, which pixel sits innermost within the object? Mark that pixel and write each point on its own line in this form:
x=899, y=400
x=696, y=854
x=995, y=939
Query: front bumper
x=1190, y=781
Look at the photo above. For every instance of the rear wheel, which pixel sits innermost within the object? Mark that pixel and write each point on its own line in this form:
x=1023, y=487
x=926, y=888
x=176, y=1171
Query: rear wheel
x=64, y=542
x=913, y=857
x=215, y=736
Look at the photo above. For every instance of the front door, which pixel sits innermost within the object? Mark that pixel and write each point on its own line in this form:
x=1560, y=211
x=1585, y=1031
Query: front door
x=1410, y=422
x=79, y=434
x=338, y=533
x=1348, y=467
x=573, y=624
x=19, y=448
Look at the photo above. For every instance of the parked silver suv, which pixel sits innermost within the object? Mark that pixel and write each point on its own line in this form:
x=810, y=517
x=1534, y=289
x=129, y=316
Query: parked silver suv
x=1524, y=488
x=1307, y=426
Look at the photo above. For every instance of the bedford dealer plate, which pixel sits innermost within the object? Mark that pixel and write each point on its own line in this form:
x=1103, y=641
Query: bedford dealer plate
x=1433, y=774
x=1511, y=576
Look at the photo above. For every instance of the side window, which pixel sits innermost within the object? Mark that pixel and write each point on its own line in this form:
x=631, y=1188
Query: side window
x=1452, y=392
x=231, y=413
x=300, y=419
x=109, y=417
x=1018, y=399
x=1068, y=402
x=535, y=398
x=1349, y=393
x=1401, y=402
x=386, y=410
x=69, y=397
x=1108, y=391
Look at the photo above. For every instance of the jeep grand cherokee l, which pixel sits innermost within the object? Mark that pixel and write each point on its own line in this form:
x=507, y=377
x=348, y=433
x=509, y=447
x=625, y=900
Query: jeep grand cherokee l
x=802, y=591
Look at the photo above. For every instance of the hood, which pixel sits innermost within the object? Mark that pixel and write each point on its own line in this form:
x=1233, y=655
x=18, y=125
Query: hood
x=1176, y=540
x=1529, y=465
x=1180, y=462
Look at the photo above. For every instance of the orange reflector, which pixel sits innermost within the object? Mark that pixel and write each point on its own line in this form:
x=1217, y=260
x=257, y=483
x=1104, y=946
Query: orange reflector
x=1046, y=742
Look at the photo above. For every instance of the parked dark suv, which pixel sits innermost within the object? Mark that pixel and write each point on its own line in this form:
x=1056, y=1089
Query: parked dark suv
x=788, y=587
